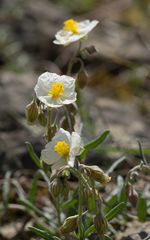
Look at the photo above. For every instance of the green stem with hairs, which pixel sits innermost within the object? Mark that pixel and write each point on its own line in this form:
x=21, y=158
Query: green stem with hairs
x=71, y=62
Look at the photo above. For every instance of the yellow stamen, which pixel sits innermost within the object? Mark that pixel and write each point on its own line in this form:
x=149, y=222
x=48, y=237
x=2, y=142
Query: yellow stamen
x=71, y=26
x=62, y=148
x=56, y=90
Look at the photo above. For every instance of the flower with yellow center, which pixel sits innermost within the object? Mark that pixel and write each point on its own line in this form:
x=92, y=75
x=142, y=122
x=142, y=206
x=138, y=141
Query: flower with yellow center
x=74, y=31
x=54, y=90
x=62, y=149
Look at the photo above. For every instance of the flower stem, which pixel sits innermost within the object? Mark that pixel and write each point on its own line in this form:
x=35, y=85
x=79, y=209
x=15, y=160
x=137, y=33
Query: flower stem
x=68, y=119
x=71, y=62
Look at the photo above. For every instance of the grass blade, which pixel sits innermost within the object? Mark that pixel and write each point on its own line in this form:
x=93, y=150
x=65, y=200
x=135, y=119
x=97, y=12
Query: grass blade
x=6, y=188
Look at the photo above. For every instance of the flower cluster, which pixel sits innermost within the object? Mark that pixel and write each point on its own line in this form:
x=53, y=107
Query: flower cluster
x=55, y=91
x=54, y=108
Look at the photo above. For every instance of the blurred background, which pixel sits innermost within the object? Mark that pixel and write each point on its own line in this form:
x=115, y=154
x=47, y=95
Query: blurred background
x=117, y=94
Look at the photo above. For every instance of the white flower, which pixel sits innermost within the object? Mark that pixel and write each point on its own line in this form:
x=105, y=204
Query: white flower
x=54, y=90
x=73, y=31
x=62, y=149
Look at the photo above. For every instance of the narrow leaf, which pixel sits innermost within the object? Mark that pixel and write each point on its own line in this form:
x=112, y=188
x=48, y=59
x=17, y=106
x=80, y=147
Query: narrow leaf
x=44, y=228
x=111, y=202
x=41, y=233
x=115, y=211
x=33, y=155
x=89, y=231
x=69, y=204
x=141, y=209
x=93, y=144
x=97, y=141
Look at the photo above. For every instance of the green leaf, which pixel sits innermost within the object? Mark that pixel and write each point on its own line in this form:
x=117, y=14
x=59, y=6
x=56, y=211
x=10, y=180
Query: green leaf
x=44, y=228
x=69, y=204
x=141, y=209
x=97, y=141
x=111, y=202
x=89, y=231
x=115, y=211
x=93, y=144
x=42, y=233
x=33, y=155
x=92, y=230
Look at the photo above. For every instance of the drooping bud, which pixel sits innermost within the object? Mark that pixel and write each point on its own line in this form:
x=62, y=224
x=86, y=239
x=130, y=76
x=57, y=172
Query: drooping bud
x=132, y=194
x=65, y=189
x=96, y=173
x=31, y=112
x=101, y=224
x=86, y=52
x=62, y=172
x=55, y=188
x=69, y=225
x=91, y=49
x=42, y=118
x=82, y=79
x=86, y=194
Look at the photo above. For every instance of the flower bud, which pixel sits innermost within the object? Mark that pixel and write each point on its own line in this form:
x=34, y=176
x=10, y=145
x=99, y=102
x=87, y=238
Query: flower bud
x=96, y=174
x=86, y=194
x=65, y=189
x=101, y=224
x=42, y=118
x=82, y=79
x=55, y=188
x=69, y=225
x=91, y=49
x=31, y=112
x=132, y=194
x=87, y=51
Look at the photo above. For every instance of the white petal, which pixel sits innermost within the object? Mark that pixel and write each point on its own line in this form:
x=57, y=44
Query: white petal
x=48, y=155
x=70, y=98
x=71, y=161
x=62, y=162
x=76, y=144
x=44, y=83
x=62, y=135
x=50, y=102
x=85, y=28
